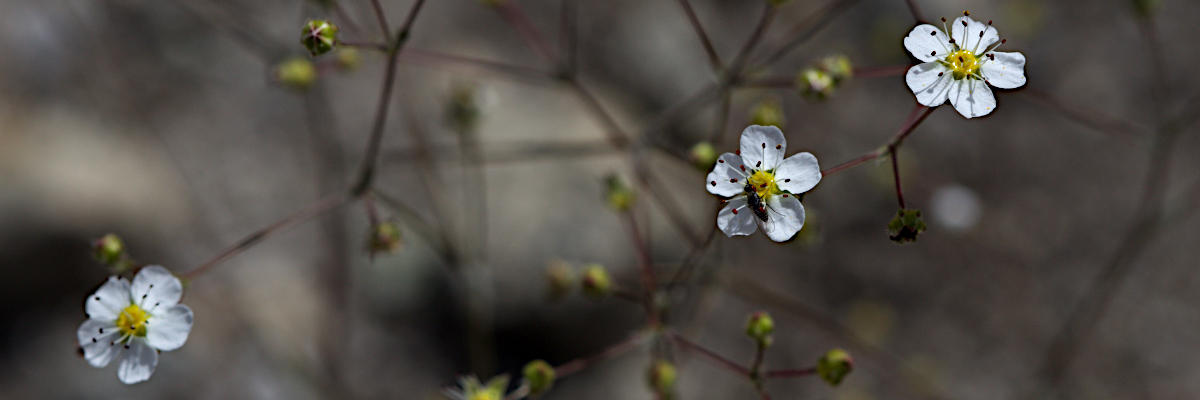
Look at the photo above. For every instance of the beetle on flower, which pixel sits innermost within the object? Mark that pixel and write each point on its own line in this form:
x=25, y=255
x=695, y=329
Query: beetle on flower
x=762, y=186
x=134, y=322
x=961, y=67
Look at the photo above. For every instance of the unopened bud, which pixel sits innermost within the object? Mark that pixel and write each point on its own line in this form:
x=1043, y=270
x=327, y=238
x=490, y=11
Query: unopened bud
x=838, y=66
x=759, y=327
x=348, y=58
x=768, y=112
x=296, y=73
x=560, y=278
x=385, y=237
x=318, y=36
x=815, y=83
x=539, y=376
x=109, y=249
x=619, y=195
x=661, y=377
x=462, y=110
x=703, y=155
x=596, y=282
x=834, y=366
x=906, y=226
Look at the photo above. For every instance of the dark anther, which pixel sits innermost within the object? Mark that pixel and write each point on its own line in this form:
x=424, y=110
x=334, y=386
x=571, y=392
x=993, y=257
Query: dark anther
x=787, y=180
x=960, y=59
x=735, y=211
x=93, y=340
x=980, y=33
x=964, y=22
x=126, y=347
x=966, y=13
x=714, y=183
x=758, y=164
x=1002, y=41
x=743, y=167
x=932, y=33
x=156, y=304
x=933, y=53
x=738, y=152
x=101, y=331
x=97, y=298
x=778, y=146
x=940, y=74
x=764, y=186
x=951, y=40
x=144, y=296
x=721, y=161
x=943, y=20
x=989, y=22
x=764, y=145
x=151, y=286
x=734, y=180
x=785, y=195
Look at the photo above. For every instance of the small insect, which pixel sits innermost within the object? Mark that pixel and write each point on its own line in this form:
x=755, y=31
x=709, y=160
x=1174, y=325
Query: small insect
x=756, y=202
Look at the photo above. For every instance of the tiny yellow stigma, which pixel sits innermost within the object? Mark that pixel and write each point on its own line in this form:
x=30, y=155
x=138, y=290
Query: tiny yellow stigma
x=764, y=183
x=962, y=64
x=132, y=321
x=485, y=394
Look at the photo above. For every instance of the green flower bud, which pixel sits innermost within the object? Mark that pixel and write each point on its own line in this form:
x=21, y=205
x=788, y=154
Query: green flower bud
x=661, y=377
x=462, y=110
x=759, y=327
x=385, y=238
x=838, y=66
x=834, y=366
x=815, y=83
x=906, y=226
x=348, y=58
x=596, y=282
x=296, y=73
x=768, y=112
x=109, y=249
x=539, y=376
x=619, y=195
x=703, y=155
x=559, y=278
x=318, y=36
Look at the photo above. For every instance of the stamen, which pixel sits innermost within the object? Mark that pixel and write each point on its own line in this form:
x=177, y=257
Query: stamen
x=785, y=195
x=758, y=164
x=733, y=180
x=941, y=73
x=721, y=161
x=764, y=145
x=735, y=211
x=97, y=298
x=778, y=146
x=787, y=180
x=933, y=53
x=966, y=13
x=101, y=331
x=93, y=340
x=743, y=167
x=738, y=152
x=714, y=183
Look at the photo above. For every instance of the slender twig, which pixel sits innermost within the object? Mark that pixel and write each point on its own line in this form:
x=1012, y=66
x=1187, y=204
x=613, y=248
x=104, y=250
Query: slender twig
x=916, y=12
x=808, y=27
x=789, y=373
x=381, y=18
x=344, y=17
x=369, y=45
x=511, y=12
x=614, y=132
x=574, y=366
x=764, y=22
x=713, y=58
x=325, y=204
x=569, y=35
x=646, y=264
x=893, y=151
x=915, y=117
x=710, y=355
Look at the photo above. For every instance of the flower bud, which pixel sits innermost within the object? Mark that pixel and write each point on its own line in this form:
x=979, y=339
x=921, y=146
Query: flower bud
x=767, y=113
x=759, y=327
x=815, y=83
x=539, y=376
x=348, y=58
x=661, y=377
x=318, y=36
x=838, y=66
x=462, y=110
x=109, y=249
x=296, y=73
x=906, y=226
x=596, y=282
x=703, y=155
x=834, y=366
x=560, y=279
x=619, y=195
x=385, y=238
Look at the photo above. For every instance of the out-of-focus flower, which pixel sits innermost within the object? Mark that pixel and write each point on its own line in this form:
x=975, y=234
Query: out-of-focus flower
x=768, y=112
x=661, y=377
x=469, y=388
x=955, y=207
x=619, y=195
x=296, y=73
x=759, y=327
x=815, y=83
x=961, y=66
x=703, y=156
x=385, y=238
x=109, y=250
x=318, y=36
x=559, y=279
x=348, y=58
x=539, y=376
x=133, y=323
x=762, y=185
x=596, y=282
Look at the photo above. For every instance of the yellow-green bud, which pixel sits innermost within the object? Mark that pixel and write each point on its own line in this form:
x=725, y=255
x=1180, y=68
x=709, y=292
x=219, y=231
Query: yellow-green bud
x=462, y=108
x=539, y=376
x=768, y=112
x=759, y=327
x=296, y=73
x=834, y=366
x=838, y=66
x=348, y=58
x=906, y=226
x=109, y=249
x=618, y=194
x=661, y=377
x=318, y=36
x=703, y=155
x=815, y=83
x=560, y=278
x=385, y=237
x=596, y=282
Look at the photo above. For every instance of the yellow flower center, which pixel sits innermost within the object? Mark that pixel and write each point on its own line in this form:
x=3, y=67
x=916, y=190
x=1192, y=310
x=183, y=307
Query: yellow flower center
x=764, y=183
x=485, y=394
x=962, y=63
x=132, y=321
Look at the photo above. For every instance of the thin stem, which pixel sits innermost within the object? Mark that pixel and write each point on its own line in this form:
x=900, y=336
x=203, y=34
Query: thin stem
x=364, y=44
x=519, y=21
x=646, y=264
x=916, y=12
x=614, y=132
x=713, y=58
x=896, y=174
x=790, y=373
x=914, y=119
x=574, y=366
x=717, y=359
x=808, y=27
x=322, y=206
x=570, y=34
x=764, y=22
x=345, y=18
x=381, y=18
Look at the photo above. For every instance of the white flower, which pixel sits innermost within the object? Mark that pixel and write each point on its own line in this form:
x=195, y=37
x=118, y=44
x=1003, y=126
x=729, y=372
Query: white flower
x=471, y=389
x=763, y=185
x=134, y=322
x=960, y=67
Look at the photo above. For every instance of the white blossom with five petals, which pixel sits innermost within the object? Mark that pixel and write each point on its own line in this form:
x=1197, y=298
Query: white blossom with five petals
x=758, y=173
x=133, y=322
x=961, y=66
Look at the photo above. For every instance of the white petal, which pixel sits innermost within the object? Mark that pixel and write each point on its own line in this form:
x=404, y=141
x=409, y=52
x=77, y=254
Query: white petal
x=785, y=217
x=727, y=177
x=968, y=36
x=929, y=82
x=972, y=98
x=168, y=329
x=762, y=147
x=798, y=173
x=96, y=337
x=1007, y=71
x=739, y=222
x=109, y=300
x=154, y=286
x=138, y=363
x=928, y=43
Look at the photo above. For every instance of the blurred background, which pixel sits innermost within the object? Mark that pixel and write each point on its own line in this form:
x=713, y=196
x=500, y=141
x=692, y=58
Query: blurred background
x=167, y=124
